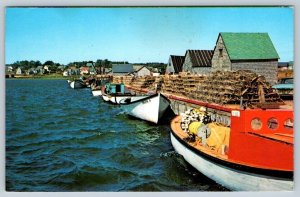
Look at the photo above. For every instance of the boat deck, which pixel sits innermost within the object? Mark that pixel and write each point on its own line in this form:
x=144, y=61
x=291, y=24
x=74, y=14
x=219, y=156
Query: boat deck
x=176, y=128
x=222, y=153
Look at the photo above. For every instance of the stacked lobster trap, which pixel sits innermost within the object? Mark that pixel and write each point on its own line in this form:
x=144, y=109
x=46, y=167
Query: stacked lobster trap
x=182, y=84
x=236, y=87
x=142, y=82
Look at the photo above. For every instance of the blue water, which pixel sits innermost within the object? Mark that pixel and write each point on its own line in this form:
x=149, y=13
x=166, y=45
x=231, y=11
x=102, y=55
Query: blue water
x=61, y=139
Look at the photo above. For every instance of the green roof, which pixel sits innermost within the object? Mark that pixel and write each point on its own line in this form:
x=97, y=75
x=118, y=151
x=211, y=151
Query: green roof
x=249, y=46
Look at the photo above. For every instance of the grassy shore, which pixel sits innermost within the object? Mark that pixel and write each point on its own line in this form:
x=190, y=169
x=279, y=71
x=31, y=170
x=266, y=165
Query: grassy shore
x=47, y=76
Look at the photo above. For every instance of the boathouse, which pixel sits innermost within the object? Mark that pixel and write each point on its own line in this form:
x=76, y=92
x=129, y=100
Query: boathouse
x=246, y=51
x=197, y=61
x=121, y=69
x=175, y=64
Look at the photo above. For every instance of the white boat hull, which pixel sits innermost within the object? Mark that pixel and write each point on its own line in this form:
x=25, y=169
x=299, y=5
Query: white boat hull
x=96, y=92
x=228, y=177
x=150, y=109
x=117, y=99
x=72, y=84
x=105, y=97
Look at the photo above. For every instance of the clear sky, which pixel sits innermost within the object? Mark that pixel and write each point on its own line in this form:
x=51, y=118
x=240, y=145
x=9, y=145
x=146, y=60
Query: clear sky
x=136, y=35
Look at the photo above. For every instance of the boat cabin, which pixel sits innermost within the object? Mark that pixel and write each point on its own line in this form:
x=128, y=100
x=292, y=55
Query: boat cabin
x=111, y=88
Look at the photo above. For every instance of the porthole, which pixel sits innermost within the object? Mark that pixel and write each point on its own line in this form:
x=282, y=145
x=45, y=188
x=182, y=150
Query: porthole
x=272, y=123
x=256, y=124
x=289, y=123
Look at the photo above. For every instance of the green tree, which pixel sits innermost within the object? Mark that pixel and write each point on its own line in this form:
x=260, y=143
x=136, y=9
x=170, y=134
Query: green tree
x=49, y=63
x=37, y=63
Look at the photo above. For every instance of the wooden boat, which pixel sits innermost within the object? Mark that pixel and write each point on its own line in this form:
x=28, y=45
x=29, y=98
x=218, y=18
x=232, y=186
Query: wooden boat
x=149, y=107
x=96, y=87
x=78, y=83
x=253, y=152
x=114, y=93
x=97, y=92
x=105, y=97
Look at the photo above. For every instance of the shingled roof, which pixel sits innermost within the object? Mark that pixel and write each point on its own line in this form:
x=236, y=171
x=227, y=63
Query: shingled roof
x=177, y=62
x=200, y=58
x=249, y=46
x=122, y=68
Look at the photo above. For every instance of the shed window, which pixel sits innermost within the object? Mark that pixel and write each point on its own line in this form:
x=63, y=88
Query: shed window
x=220, y=52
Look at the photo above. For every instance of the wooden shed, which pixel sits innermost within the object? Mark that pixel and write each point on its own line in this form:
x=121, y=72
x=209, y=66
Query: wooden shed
x=197, y=61
x=143, y=71
x=246, y=51
x=175, y=64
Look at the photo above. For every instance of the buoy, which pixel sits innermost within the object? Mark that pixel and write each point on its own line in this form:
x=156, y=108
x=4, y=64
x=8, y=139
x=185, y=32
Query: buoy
x=194, y=126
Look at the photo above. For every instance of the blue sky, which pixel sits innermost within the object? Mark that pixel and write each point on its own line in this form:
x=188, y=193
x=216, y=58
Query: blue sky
x=135, y=34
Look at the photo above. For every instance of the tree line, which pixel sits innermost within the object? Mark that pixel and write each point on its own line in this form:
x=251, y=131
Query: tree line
x=25, y=64
x=104, y=63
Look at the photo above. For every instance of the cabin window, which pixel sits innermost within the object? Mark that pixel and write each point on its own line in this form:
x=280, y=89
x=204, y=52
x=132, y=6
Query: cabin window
x=118, y=88
x=256, y=124
x=220, y=52
x=289, y=124
x=272, y=123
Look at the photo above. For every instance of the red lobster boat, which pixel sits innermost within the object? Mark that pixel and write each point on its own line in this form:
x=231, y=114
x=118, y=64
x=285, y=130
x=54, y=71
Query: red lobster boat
x=255, y=155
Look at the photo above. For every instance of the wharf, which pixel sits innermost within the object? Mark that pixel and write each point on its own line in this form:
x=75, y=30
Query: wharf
x=180, y=104
x=186, y=91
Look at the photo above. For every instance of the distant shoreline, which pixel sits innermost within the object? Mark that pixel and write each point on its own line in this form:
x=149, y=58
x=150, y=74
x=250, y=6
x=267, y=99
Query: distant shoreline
x=43, y=77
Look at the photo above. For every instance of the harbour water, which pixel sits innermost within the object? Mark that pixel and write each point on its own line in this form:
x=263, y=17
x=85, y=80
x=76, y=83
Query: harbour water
x=61, y=139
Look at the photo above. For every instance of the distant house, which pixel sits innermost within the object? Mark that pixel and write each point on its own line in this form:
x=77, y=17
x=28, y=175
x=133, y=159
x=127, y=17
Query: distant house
x=72, y=70
x=197, y=61
x=91, y=66
x=19, y=71
x=65, y=73
x=40, y=70
x=46, y=68
x=9, y=69
x=175, y=64
x=92, y=70
x=84, y=70
x=31, y=71
x=246, y=51
x=121, y=69
x=143, y=71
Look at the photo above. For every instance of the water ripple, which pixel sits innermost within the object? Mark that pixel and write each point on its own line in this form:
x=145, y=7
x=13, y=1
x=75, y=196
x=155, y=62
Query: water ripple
x=61, y=139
